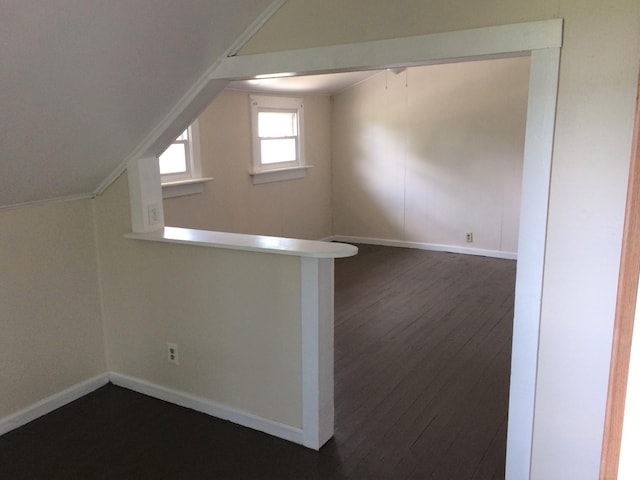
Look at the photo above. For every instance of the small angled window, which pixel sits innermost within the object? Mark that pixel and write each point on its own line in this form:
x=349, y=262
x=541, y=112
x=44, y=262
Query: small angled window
x=181, y=160
x=175, y=159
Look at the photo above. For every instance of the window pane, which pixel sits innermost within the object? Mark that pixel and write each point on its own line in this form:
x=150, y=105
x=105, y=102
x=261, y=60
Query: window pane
x=277, y=124
x=184, y=135
x=174, y=159
x=276, y=151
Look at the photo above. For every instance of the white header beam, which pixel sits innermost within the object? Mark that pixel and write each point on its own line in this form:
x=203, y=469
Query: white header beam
x=501, y=40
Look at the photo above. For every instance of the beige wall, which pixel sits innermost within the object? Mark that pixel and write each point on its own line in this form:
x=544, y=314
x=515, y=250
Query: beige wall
x=312, y=23
x=50, y=302
x=598, y=73
x=298, y=208
x=50, y=329
x=239, y=341
x=431, y=153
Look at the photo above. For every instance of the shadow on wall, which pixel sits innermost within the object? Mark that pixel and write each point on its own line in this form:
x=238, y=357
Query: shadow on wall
x=431, y=153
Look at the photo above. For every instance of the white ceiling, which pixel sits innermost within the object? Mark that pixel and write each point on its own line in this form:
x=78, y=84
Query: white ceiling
x=326, y=84
x=84, y=82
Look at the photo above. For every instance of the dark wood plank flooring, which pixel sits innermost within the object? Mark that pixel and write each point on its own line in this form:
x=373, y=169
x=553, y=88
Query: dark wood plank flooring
x=422, y=354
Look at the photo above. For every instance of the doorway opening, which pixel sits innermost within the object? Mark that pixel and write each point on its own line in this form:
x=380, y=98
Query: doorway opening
x=542, y=40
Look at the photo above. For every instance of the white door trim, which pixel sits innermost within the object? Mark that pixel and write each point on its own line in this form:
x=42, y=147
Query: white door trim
x=542, y=40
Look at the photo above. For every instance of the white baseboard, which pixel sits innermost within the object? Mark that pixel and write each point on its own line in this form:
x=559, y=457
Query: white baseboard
x=424, y=246
x=51, y=403
x=193, y=402
x=209, y=407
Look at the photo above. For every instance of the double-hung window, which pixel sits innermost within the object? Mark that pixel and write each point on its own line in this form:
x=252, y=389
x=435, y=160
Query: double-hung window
x=278, y=139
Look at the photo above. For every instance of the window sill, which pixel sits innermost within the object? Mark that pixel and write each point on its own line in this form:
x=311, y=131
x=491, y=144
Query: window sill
x=181, y=188
x=279, y=174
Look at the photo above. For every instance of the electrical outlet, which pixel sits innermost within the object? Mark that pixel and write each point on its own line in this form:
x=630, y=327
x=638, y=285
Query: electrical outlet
x=469, y=237
x=172, y=353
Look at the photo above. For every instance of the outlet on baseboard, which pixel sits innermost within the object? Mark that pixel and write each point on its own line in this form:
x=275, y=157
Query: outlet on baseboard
x=172, y=353
x=470, y=237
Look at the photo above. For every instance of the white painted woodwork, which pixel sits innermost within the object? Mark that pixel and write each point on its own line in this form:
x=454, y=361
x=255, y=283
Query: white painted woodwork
x=204, y=405
x=181, y=188
x=145, y=193
x=194, y=101
x=595, y=114
x=315, y=317
x=317, y=351
x=398, y=52
x=629, y=466
x=543, y=86
x=424, y=246
x=51, y=403
x=543, y=39
x=301, y=208
x=250, y=243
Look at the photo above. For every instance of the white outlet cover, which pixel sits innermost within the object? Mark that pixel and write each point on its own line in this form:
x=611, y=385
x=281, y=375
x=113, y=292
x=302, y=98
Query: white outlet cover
x=172, y=353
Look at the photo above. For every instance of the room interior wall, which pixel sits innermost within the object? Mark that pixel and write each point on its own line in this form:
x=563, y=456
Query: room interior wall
x=299, y=208
x=594, y=121
x=50, y=322
x=234, y=315
x=431, y=153
x=598, y=75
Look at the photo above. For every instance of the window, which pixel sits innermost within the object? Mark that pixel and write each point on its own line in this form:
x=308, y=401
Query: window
x=278, y=147
x=175, y=159
x=181, y=160
x=180, y=168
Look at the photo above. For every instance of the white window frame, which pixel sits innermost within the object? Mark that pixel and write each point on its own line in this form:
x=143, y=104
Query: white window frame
x=288, y=170
x=192, y=144
x=190, y=181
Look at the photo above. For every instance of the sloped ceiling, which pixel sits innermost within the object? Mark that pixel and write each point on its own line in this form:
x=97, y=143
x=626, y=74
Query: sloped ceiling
x=84, y=82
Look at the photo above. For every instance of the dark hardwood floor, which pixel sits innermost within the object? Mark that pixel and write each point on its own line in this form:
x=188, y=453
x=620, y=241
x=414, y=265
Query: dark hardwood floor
x=422, y=353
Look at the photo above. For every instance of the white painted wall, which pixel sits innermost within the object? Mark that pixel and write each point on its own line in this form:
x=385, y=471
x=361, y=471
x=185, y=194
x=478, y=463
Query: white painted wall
x=298, y=208
x=598, y=73
x=50, y=322
x=239, y=341
x=432, y=153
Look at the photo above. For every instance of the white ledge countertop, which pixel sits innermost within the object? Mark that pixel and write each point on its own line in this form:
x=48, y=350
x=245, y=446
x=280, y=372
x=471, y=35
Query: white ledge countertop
x=250, y=243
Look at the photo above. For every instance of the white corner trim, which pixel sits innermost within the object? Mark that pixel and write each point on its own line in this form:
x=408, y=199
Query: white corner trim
x=49, y=201
x=317, y=351
x=424, y=246
x=209, y=407
x=52, y=403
